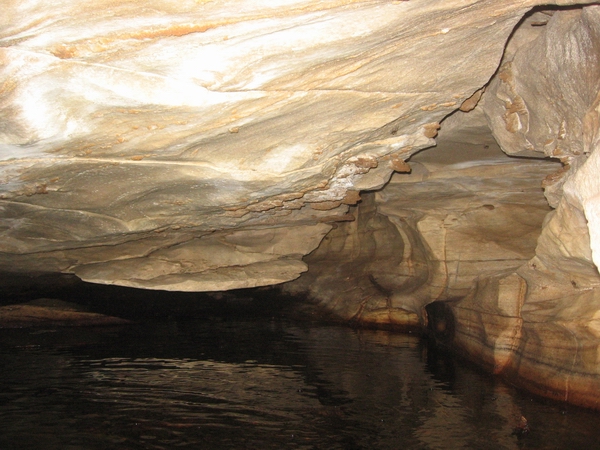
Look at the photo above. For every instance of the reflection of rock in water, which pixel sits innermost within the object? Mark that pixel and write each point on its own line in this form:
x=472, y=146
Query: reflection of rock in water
x=244, y=383
x=336, y=412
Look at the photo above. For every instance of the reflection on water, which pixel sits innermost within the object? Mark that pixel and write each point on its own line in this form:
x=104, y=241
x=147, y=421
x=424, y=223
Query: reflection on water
x=259, y=383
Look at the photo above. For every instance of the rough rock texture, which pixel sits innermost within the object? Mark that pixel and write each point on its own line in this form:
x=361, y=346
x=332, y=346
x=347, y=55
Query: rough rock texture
x=136, y=141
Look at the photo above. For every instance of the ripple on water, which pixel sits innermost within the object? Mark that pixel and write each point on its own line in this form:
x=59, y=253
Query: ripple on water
x=260, y=383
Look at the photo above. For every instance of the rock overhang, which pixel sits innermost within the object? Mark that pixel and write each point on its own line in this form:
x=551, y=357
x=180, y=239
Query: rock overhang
x=129, y=133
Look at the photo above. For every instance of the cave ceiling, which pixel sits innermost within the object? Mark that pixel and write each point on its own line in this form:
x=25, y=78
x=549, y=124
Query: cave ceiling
x=197, y=146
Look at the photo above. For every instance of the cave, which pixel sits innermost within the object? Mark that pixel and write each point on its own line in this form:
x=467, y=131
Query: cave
x=422, y=166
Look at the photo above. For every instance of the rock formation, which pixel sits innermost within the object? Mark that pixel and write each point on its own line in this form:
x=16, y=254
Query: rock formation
x=539, y=324
x=465, y=211
x=468, y=222
x=191, y=146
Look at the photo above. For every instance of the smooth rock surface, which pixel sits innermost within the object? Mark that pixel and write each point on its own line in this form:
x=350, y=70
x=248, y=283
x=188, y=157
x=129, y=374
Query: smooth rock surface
x=521, y=281
x=127, y=130
x=465, y=211
x=538, y=325
x=52, y=313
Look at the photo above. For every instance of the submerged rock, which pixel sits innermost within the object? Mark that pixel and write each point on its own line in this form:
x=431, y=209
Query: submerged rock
x=52, y=312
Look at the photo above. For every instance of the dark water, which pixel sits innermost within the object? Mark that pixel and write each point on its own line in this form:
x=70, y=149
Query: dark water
x=258, y=379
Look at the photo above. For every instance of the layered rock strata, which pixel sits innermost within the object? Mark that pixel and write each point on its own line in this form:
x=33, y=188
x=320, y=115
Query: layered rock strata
x=539, y=325
x=465, y=211
x=194, y=146
x=521, y=282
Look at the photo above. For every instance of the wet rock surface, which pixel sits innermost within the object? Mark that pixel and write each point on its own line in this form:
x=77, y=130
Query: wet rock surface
x=537, y=324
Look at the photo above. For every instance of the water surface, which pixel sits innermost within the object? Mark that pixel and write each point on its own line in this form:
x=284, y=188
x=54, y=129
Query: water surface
x=259, y=379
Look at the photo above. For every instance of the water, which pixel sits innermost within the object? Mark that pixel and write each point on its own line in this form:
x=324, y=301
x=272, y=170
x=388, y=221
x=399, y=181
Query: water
x=257, y=378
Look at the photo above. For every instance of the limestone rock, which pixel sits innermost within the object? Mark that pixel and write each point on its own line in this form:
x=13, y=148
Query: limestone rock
x=193, y=145
x=544, y=93
x=128, y=130
x=521, y=283
x=464, y=212
x=354, y=272
x=267, y=255
x=537, y=325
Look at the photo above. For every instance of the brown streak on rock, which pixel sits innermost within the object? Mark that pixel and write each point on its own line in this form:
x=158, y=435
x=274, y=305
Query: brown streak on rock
x=351, y=198
x=470, y=103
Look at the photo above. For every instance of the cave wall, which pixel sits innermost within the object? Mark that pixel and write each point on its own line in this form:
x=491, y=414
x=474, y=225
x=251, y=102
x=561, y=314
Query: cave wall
x=539, y=324
x=465, y=211
x=516, y=264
